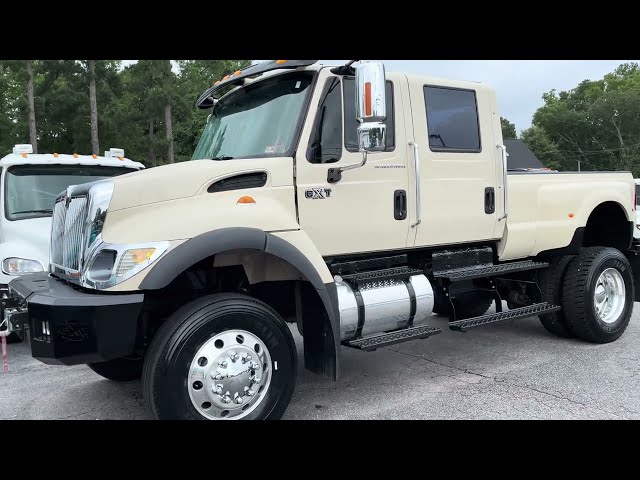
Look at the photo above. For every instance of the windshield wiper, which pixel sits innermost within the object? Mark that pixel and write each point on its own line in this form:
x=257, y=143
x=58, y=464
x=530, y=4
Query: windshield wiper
x=222, y=157
x=44, y=210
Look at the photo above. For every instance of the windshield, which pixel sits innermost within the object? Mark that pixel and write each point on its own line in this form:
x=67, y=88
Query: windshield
x=31, y=190
x=259, y=120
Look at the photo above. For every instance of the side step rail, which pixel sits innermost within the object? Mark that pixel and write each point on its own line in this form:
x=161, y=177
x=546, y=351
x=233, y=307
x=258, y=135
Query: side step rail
x=516, y=313
x=379, y=340
x=470, y=273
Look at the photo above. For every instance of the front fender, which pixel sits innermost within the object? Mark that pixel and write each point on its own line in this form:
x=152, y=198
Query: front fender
x=322, y=332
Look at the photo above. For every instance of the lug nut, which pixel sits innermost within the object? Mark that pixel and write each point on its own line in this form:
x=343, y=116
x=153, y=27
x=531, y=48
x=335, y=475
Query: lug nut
x=226, y=399
x=246, y=358
x=256, y=379
x=255, y=366
x=239, y=400
x=217, y=389
x=223, y=363
x=248, y=392
x=233, y=356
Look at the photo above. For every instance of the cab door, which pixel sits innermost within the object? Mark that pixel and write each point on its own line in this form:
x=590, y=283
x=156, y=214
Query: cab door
x=367, y=210
x=460, y=165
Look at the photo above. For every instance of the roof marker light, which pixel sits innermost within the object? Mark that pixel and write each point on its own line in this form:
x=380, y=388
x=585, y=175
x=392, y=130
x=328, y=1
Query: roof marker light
x=217, y=83
x=75, y=155
x=24, y=155
x=226, y=77
x=280, y=62
x=55, y=155
x=94, y=155
x=237, y=72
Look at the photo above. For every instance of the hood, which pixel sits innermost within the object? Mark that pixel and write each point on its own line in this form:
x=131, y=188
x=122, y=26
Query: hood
x=186, y=179
x=28, y=238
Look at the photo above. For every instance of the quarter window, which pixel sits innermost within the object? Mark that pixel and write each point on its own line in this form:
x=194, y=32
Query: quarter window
x=326, y=140
x=452, y=119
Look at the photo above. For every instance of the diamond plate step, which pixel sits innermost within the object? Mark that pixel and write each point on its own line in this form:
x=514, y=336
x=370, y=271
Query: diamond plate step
x=516, y=313
x=383, y=339
x=493, y=270
x=386, y=274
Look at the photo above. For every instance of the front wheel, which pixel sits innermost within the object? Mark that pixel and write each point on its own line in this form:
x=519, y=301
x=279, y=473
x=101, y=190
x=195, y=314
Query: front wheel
x=224, y=356
x=598, y=294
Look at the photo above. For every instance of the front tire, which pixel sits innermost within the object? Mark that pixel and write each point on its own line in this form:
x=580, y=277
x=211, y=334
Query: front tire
x=598, y=294
x=223, y=356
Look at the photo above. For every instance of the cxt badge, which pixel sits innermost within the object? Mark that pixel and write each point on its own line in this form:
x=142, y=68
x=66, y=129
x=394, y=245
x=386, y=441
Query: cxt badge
x=317, y=193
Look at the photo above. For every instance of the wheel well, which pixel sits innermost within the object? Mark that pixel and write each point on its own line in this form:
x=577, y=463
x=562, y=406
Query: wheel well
x=268, y=278
x=608, y=226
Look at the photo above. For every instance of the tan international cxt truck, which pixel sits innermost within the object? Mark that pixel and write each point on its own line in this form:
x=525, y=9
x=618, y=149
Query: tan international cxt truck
x=353, y=202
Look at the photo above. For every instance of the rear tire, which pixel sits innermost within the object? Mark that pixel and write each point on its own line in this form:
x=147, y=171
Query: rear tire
x=221, y=356
x=551, y=281
x=119, y=369
x=598, y=294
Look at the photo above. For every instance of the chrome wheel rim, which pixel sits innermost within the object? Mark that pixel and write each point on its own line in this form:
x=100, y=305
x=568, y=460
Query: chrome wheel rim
x=609, y=296
x=230, y=375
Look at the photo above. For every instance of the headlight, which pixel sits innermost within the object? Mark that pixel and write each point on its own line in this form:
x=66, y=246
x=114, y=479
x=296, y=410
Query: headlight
x=18, y=266
x=113, y=264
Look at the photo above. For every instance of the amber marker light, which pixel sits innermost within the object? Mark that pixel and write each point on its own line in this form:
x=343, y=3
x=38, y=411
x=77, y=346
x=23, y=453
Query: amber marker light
x=246, y=200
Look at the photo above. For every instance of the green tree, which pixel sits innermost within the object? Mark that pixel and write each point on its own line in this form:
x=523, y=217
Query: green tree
x=597, y=123
x=508, y=129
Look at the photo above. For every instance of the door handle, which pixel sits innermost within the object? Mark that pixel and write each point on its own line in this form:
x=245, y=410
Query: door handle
x=399, y=204
x=489, y=200
x=416, y=159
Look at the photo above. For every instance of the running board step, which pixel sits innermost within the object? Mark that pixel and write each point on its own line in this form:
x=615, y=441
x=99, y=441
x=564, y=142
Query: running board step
x=516, y=313
x=386, y=274
x=384, y=339
x=488, y=271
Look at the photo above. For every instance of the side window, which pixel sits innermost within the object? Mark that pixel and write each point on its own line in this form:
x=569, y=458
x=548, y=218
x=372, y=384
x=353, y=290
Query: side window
x=325, y=145
x=351, y=124
x=452, y=119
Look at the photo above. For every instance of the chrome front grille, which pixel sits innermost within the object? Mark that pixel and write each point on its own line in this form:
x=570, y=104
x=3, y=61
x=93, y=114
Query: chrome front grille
x=67, y=232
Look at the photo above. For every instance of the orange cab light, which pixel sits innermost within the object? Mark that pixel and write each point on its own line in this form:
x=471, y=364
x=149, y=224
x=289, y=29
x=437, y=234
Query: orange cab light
x=121, y=158
x=237, y=72
x=75, y=155
x=94, y=155
x=24, y=155
x=217, y=83
x=246, y=200
x=226, y=77
x=367, y=99
x=571, y=215
x=55, y=155
x=280, y=62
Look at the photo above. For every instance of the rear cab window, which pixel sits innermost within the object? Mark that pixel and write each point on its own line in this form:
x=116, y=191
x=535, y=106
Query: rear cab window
x=452, y=119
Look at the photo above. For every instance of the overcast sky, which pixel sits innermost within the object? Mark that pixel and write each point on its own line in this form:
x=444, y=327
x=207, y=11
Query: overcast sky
x=519, y=84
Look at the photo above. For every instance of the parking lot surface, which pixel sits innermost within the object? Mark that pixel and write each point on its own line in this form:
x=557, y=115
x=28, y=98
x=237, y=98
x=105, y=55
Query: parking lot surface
x=512, y=370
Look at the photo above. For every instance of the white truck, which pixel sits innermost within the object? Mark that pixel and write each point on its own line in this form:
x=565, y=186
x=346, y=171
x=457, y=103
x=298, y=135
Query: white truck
x=29, y=185
x=353, y=202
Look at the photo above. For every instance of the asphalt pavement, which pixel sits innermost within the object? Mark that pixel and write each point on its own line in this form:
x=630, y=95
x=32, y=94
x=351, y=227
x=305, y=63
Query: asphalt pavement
x=510, y=370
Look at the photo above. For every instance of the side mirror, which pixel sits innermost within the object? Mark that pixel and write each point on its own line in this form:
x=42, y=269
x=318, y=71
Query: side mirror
x=371, y=106
x=371, y=112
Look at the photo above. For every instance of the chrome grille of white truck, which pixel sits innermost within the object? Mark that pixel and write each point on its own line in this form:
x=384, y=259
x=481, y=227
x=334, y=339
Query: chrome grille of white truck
x=67, y=232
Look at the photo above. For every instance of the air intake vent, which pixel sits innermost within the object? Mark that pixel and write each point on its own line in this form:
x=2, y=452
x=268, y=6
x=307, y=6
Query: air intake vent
x=238, y=182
